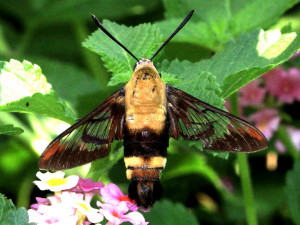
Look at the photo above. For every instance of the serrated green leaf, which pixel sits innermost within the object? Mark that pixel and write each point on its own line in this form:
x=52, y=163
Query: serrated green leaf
x=187, y=162
x=142, y=40
x=72, y=84
x=9, y=129
x=215, y=22
x=246, y=58
x=25, y=89
x=9, y=215
x=167, y=213
x=201, y=85
x=293, y=193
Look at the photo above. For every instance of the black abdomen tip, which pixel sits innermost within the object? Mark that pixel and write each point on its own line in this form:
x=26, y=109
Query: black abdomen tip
x=145, y=193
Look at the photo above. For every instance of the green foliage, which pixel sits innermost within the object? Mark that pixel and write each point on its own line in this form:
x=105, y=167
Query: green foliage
x=9, y=129
x=249, y=56
x=72, y=84
x=216, y=22
x=100, y=168
x=168, y=213
x=238, y=42
x=185, y=163
x=31, y=92
x=142, y=41
x=292, y=192
x=9, y=215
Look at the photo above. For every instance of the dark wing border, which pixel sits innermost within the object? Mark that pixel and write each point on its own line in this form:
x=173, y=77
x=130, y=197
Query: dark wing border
x=217, y=130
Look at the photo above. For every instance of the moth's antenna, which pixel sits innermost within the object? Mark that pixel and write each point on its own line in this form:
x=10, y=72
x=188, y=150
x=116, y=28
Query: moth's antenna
x=187, y=18
x=112, y=37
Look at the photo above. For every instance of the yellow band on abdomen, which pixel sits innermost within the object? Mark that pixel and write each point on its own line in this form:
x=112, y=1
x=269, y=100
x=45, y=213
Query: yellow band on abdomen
x=141, y=162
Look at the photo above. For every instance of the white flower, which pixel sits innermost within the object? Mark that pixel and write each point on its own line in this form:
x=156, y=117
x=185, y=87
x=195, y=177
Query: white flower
x=55, y=181
x=57, y=214
x=83, y=207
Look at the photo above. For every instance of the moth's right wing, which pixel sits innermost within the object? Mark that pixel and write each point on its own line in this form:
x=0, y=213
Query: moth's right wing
x=216, y=129
x=88, y=139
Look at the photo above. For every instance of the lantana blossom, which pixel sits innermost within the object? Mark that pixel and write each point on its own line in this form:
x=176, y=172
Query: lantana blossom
x=252, y=94
x=70, y=204
x=81, y=205
x=55, y=181
x=294, y=135
x=117, y=214
x=267, y=121
x=112, y=194
x=88, y=187
x=284, y=84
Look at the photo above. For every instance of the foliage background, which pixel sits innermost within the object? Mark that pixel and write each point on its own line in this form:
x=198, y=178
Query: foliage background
x=50, y=34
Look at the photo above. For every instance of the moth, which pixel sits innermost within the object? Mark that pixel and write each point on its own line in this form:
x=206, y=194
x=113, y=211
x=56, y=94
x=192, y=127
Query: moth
x=145, y=113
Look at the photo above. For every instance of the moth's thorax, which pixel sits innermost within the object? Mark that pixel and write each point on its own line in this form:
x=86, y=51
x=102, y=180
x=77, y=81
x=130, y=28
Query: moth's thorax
x=145, y=98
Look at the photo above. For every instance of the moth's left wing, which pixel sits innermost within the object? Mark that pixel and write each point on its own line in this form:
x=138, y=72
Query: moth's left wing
x=88, y=139
x=217, y=130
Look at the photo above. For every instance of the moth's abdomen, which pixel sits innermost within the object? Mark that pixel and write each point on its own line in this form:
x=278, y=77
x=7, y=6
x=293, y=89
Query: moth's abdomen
x=145, y=157
x=144, y=173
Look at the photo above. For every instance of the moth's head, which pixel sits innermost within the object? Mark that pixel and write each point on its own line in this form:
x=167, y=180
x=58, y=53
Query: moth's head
x=144, y=69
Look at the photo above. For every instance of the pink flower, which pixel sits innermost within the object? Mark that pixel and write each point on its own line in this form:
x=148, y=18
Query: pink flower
x=116, y=214
x=267, y=121
x=294, y=134
x=252, y=94
x=40, y=201
x=112, y=194
x=88, y=187
x=296, y=54
x=284, y=84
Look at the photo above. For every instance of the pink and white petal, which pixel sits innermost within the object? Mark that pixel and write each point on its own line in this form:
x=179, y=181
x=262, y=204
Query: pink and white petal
x=136, y=218
x=280, y=147
x=114, y=213
x=111, y=193
x=48, y=175
x=34, y=216
x=88, y=185
x=95, y=216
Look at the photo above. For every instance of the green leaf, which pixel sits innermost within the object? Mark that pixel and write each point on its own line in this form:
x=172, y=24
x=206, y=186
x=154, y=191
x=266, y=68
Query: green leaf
x=72, y=84
x=25, y=89
x=200, y=84
x=251, y=55
x=9, y=129
x=99, y=168
x=10, y=215
x=293, y=193
x=215, y=22
x=188, y=162
x=167, y=213
x=142, y=40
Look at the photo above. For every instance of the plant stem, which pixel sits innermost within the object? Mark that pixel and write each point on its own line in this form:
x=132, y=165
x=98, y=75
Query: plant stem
x=286, y=140
x=23, y=195
x=246, y=183
x=24, y=41
x=249, y=202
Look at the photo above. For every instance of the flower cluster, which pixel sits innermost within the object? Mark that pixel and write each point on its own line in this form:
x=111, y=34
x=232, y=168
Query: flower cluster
x=267, y=95
x=71, y=202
